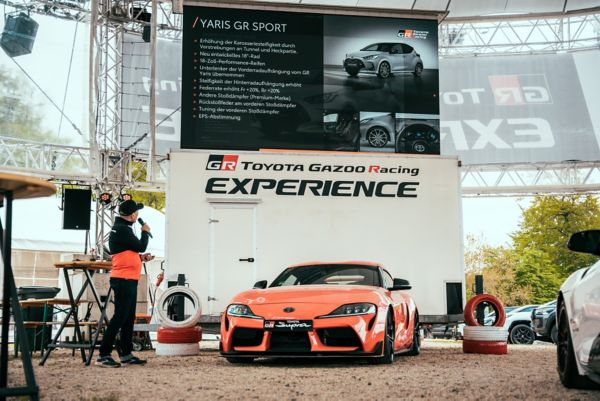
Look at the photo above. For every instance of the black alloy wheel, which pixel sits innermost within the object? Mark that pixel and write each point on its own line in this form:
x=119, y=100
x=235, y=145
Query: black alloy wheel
x=521, y=334
x=415, y=347
x=388, y=342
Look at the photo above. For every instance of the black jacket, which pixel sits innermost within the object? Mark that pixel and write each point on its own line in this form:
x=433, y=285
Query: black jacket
x=122, y=238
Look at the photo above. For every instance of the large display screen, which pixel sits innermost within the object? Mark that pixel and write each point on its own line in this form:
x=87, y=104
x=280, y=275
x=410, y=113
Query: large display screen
x=255, y=79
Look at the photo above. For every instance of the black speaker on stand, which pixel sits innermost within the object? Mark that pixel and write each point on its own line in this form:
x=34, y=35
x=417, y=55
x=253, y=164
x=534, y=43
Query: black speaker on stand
x=18, y=35
x=77, y=205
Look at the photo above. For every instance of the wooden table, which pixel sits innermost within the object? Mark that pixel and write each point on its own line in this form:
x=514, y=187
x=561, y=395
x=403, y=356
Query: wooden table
x=88, y=268
x=16, y=186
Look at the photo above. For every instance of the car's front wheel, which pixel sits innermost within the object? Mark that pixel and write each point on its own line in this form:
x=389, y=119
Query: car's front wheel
x=384, y=70
x=378, y=137
x=565, y=355
x=521, y=334
x=415, y=348
x=388, y=343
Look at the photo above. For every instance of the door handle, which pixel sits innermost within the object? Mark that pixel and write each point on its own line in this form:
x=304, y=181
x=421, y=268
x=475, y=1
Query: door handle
x=247, y=260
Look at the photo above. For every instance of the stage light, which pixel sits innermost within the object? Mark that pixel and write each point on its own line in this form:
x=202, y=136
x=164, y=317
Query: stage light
x=105, y=198
x=126, y=197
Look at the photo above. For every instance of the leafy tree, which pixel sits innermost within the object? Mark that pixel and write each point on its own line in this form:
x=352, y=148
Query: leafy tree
x=496, y=264
x=546, y=228
x=154, y=199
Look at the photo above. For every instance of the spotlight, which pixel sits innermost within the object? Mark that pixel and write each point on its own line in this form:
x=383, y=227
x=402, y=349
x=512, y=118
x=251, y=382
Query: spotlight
x=126, y=197
x=105, y=198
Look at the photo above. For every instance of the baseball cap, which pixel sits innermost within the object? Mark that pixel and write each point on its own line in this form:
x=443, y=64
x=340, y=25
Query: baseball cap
x=129, y=207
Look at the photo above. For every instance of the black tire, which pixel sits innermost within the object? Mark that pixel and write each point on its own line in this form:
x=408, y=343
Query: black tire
x=384, y=70
x=388, y=343
x=521, y=333
x=378, y=137
x=565, y=356
x=418, y=70
x=352, y=72
x=239, y=359
x=415, y=347
x=554, y=333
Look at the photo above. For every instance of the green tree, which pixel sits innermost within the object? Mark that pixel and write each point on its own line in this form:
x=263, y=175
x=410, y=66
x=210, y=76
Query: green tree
x=542, y=259
x=154, y=199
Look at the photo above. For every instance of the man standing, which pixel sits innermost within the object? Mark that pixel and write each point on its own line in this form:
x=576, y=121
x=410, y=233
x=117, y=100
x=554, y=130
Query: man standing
x=127, y=257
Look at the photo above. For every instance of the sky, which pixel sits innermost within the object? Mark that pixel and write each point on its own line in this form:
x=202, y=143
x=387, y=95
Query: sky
x=492, y=220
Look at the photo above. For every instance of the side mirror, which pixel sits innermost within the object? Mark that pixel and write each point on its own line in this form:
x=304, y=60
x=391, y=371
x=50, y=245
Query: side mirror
x=586, y=242
x=260, y=285
x=400, y=284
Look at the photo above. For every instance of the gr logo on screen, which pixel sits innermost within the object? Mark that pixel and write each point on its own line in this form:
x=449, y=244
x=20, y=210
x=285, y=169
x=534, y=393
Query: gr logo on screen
x=222, y=162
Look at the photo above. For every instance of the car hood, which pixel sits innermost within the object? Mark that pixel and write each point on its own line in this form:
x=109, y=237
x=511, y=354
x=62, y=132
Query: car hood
x=310, y=294
x=364, y=53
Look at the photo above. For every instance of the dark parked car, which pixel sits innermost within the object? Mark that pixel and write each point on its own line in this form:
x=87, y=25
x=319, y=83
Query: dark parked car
x=543, y=321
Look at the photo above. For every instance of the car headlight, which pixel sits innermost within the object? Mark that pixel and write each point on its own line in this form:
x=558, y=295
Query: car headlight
x=352, y=310
x=241, y=311
x=372, y=57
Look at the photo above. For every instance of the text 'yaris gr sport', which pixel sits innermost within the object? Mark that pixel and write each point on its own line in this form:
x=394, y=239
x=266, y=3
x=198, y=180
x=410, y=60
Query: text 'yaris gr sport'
x=353, y=309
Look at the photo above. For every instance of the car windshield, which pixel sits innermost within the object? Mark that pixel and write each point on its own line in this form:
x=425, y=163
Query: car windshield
x=328, y=274
x=377, y=47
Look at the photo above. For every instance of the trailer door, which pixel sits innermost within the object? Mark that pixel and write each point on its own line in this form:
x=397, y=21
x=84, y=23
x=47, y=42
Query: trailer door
x=232, y=252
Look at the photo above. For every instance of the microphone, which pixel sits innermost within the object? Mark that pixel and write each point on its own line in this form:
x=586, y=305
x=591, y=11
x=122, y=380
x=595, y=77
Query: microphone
x=142, y=223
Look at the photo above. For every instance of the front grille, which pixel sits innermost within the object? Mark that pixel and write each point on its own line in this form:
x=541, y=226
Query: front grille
x=289, y=342
x=339, y=337
x=243, y=337
x=355, y=62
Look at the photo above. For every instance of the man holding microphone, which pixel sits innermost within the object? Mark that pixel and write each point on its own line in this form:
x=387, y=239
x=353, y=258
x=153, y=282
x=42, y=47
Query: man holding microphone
x=127, y=255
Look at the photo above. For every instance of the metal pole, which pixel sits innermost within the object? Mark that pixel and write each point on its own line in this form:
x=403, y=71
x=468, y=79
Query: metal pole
x=152, y=122
x=93, y=91
x=5, y=305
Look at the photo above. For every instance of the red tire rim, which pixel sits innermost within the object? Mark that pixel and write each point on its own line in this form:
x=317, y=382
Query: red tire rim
x=494, y=302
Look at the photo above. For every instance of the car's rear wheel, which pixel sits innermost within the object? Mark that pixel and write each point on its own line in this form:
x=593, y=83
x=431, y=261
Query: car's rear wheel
x=239, y=359
x=521, y=334
x=418, y=70
x=565, y=355
x=384, y=70
x=388, y=342
x=378, y=137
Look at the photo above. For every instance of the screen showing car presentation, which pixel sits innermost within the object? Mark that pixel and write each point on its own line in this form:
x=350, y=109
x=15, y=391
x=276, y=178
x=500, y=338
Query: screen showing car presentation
x=255, y=79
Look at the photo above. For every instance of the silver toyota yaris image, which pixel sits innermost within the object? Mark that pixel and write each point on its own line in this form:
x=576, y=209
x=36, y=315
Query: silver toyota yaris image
x=384, y=59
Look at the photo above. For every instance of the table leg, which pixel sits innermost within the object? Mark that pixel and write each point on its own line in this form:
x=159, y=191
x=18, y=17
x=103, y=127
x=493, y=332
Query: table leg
x=99, y=327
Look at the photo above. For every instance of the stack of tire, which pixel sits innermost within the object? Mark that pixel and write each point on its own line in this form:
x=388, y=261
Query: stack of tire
x=479, y=339
x=178, y=338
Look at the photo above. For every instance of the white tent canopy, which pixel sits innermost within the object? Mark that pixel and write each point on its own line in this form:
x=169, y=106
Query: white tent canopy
x=37, y=225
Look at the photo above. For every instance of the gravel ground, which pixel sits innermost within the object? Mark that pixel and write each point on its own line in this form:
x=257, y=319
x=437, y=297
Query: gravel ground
x=442, y=371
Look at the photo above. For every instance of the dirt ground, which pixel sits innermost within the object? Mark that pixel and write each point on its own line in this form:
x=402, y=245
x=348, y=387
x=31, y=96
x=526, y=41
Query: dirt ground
x=442, y=371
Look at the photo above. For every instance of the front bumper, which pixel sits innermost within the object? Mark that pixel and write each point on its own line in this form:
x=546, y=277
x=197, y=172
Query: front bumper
x=339, y=336
x=359, y=64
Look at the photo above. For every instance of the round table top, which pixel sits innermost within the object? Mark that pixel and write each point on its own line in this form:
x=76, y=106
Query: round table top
x=25, y=187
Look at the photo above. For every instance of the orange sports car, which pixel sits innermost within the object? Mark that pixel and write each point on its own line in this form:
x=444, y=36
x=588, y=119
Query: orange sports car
x=353, y=309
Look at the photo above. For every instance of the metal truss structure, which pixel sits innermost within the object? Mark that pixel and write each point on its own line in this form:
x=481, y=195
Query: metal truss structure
x=543, y=34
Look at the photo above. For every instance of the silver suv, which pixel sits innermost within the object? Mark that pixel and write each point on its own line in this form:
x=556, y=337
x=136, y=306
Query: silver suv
x=384, y=59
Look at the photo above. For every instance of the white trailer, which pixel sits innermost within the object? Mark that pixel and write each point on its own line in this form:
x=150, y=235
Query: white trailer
x=234, y=218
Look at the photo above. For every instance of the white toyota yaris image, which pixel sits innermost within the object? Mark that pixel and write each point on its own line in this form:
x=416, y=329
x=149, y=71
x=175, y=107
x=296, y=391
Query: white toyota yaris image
x=578, y=318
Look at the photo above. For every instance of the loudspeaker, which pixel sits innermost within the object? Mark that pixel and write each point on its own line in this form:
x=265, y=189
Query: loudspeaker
x=146, y=31
x=76, y=208
x=19, y=35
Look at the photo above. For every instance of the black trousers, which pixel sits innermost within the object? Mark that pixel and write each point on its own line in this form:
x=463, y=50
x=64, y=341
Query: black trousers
x=125, y=297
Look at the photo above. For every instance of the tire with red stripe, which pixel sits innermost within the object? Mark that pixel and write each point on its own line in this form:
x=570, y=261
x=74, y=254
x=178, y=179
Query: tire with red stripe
x=484, y=347
x=496, y=304
x=184, y=335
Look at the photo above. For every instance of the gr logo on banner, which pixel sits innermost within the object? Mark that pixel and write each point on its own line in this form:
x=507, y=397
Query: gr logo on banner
x=222, y=162
x=515, y=90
